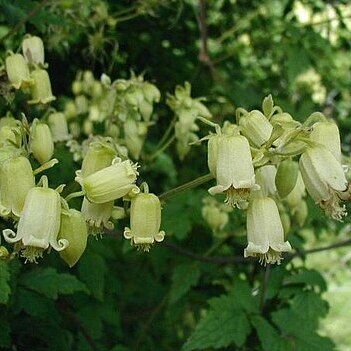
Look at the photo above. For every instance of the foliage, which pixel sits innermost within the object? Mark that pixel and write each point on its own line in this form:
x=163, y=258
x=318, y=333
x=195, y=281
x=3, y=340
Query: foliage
x=193, y=291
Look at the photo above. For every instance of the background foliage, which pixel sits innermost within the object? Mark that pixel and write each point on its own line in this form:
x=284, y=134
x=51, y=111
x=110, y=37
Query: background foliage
x=194, y=291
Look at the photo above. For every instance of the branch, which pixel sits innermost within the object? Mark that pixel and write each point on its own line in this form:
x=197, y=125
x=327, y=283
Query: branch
x=24, y=20
x=239, y=259
x=204, y=57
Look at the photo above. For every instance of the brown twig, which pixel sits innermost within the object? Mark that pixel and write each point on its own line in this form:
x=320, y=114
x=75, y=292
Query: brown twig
x=238, y=259
x=24, y=20
x=204, y=56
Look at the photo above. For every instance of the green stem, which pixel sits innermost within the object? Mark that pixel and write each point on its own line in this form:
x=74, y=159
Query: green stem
x=167, y=132
x=164, y=147
x=192, y=184
x=73, y=195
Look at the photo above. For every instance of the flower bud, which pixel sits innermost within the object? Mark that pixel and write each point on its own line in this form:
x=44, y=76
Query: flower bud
x=286, y=177
x=18, y=71
x=82, y=104
x=256, y=127
x=151, y=93
x=145, y=108
x=327, y=134
x=58, y=126
x=41, y=143
x=134, y=135
x=145, y=221
x=8, y=137
x=295, y=196
x=301, y=213
x=215, y=215
x=16, y=179
x=265, y=233
x=33, y=50
x=41, y=88
x=265, y=177
x=73, y=229
x=39, y=224
x=98, y=156
x=110, y=183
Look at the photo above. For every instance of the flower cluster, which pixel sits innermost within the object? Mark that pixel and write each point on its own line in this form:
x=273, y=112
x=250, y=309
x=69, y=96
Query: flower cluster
x=264, y=163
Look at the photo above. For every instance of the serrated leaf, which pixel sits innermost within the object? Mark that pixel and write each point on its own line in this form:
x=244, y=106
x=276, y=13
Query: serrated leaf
x=269, y=337
x=5, y=289
x=267, y=105
x=30, y=302
x=183, y=278
x=300, y=331
x=243, y=296
x=224, y=325
x=310, y=305
x=91, y=270
x=50, y=283
x=309, y=277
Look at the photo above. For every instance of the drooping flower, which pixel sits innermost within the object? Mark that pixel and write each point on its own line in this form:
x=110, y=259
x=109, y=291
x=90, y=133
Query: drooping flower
x=41, y=88
x=58, y=126
x=234, y=170
x=324, y=179
x=39, y=224
x=16, y=179
x=265, y=233
x=110, y=183
x=97, y=215
x=33, y=50
x=327, y=133
x=145, y=221
x=18, y=71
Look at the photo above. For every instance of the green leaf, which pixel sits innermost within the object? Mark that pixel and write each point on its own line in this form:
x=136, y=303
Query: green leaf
x=300, y=331
x=310, y=305
x=5, y=330
x=269, y=337
x=5, y=289
x=242, y=294
x=184, y=277
x=50, y=283
x=91, y=270
x=30, y=302
x=309, y=277
x=224, y=325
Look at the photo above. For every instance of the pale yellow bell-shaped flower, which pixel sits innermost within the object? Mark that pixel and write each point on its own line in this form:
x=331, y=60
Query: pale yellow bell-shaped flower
x=33, y=50
x=327, y=133
x=110, y=183
x=265, y=233
x=16, y=179
x=41, y=141
x=39, y=224
x=58, y=125
x=73, y=229
x=145, y=221
x=234, y=170
x=256, y=127
x=18, y=71
x=41, y=88
x=97, y=215
x=134, y=136
x=324, y=179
